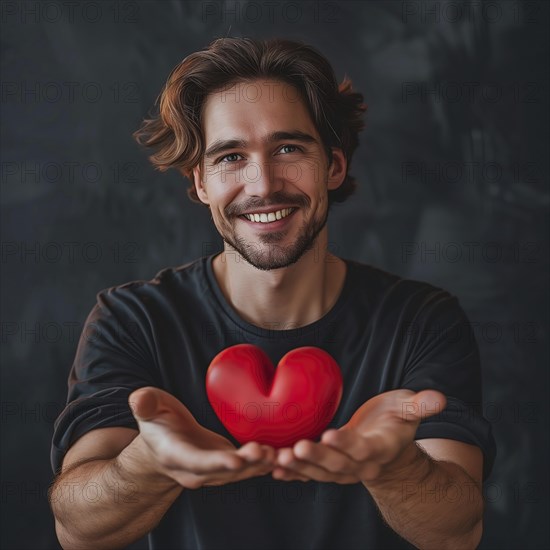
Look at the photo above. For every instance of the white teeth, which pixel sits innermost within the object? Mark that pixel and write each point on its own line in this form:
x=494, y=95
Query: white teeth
x=271, y=217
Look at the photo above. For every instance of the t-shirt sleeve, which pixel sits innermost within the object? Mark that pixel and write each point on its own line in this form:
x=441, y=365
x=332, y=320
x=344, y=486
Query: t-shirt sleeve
x=443, y=355
x=113, y=359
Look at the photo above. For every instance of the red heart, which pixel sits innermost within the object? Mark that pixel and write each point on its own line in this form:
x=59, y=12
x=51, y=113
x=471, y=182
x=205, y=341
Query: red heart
x=278, y=407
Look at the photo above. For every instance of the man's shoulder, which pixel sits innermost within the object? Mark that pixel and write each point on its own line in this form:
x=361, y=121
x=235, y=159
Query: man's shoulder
x=394, y=300
x=382, y=283
x=169, y=280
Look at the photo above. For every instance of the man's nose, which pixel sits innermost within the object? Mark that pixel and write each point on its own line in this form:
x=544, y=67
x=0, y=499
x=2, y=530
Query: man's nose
x=261, y=179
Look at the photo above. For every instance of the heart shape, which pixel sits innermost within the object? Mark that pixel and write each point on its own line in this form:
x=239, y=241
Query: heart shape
x=276, y=407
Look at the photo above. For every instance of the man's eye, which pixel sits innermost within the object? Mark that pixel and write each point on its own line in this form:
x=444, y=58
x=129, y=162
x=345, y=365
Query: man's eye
x=227, y=158
x=296, y=148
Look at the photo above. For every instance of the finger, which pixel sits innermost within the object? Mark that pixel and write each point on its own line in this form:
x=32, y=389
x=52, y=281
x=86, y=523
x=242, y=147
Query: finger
x=269, y=454
x=250, y=460
x=422, y=405
x=358, y=447
x=431, y=402
x=247, y=471
x=257, y=469
x=301, y=469
x=283, y=474
x=143, y=404
x=241, y=476
x=251, y=451
x=329, y=458
x=254, y=452
x=289, y=461
x=150, y=403
x=208, y=461
x=179, y=455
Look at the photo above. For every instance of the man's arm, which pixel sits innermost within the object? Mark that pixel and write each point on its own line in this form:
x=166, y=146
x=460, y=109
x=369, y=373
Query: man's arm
x=108, y=499
x=109, y=502
x=377, y=447
x=434, y=503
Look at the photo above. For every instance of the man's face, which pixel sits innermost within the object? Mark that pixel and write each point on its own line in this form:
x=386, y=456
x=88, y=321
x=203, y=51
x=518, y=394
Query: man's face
x=263, y=156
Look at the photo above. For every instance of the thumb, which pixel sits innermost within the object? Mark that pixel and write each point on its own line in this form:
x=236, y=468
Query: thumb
x=150, y=404
x=423, y=404
x=144, y=403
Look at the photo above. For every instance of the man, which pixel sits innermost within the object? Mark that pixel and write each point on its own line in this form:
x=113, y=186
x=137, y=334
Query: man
x=267, y=136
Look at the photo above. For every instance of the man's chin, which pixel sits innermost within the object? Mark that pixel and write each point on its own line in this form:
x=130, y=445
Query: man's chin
x=271, y=265
x=267, y=256
x=270, y=258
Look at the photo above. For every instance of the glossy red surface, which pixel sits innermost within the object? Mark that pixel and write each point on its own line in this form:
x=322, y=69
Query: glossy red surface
x=257, y=402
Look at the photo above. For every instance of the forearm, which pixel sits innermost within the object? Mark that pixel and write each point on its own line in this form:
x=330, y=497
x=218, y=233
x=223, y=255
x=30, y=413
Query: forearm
x=430, y=503
x=110, y=503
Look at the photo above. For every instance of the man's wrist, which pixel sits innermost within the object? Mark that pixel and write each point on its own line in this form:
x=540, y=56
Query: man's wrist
x=136, y=464
x=413, y=464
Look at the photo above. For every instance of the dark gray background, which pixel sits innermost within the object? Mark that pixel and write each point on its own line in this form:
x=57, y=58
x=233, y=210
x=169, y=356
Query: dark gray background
x=452, y=166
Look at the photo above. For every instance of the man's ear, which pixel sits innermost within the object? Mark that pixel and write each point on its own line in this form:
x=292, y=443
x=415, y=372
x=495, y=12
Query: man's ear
x=337, y=168
x=199, y=188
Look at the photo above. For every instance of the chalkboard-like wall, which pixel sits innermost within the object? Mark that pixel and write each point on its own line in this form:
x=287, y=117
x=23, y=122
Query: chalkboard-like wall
x=452, y=167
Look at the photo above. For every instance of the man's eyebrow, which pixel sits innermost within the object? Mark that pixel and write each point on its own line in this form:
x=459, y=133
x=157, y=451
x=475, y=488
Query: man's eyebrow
x=221, y=145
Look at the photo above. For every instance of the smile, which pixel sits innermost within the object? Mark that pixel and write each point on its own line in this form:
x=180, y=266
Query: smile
x=269, y=216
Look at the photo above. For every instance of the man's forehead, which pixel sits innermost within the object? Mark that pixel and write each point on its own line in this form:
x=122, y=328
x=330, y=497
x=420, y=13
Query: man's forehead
x=254, y=91
x=255, y=109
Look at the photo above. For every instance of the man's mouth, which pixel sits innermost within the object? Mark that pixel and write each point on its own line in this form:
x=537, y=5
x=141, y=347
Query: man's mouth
x=268, y=217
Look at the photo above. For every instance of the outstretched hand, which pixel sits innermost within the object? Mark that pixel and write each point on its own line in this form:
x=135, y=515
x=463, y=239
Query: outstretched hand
x=187, y=452
x=372, y=447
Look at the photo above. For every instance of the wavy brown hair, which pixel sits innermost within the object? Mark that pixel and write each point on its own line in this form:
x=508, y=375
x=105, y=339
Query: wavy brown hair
x=175, y=130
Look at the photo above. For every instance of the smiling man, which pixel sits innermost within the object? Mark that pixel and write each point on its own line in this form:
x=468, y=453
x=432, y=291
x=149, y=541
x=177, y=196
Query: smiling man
x=266, y=135
x=265, y=177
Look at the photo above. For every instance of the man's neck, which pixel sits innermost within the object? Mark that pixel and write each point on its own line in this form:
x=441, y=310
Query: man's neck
x=285, y=298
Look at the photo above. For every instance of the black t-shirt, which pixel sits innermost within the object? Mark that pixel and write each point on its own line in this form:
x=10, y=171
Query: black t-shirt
x=385, y=332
